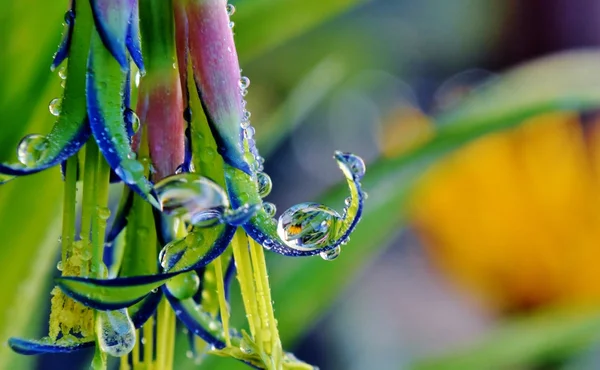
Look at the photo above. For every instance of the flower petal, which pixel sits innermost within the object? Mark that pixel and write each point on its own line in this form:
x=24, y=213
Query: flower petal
x=217, y=76
x=63, y=49
x=112, y=18
x=107, y=122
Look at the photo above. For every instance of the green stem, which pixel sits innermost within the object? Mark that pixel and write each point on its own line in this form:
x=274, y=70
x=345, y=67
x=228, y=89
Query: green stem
x=222, y=301
x=69, y=210
x=89, y=202
x=99, y=219
x=246, y=280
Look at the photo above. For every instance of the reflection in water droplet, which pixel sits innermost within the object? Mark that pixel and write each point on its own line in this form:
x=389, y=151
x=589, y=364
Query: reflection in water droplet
x=116, y=332
x=308, y=226
x=31, y=149
x=244, y=83
x=184, y=286
x=59, y=266
x=194, y=198
x=230, y=9
x=331, y=254
x=354, y=163
x=269, y=208
x=54, y=106
x=131, y=119
x=263, y=181
x=62, y=72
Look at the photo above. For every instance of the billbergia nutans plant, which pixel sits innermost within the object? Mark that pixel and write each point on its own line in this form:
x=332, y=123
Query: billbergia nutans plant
x=154, y=98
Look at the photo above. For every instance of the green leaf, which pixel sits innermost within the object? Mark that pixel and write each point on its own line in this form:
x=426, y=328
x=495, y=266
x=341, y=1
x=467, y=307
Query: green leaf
x=524, y=341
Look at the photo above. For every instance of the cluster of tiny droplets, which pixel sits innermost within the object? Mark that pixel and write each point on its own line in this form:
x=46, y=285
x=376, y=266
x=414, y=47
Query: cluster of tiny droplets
x=263, y=181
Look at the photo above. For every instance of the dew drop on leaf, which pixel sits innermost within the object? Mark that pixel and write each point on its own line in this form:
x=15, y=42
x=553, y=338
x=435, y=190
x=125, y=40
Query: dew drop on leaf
x=244, y=81
x=354, y=163
x=31, y=149
x=194, y=198
x=184, y=286
x=116, y=332
x=263, y=181
x=130, y=171
x=230, y=9
x=132, y=119
x=308, y=226
x=54, y=106
x=269, y=208
x=331, y=254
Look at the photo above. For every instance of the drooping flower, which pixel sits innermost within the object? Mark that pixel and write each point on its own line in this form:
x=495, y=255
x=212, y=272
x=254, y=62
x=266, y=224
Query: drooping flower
x=191, y=214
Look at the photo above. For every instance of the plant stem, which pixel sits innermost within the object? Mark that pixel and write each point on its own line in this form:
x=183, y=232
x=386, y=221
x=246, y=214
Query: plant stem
x=245, y=278
x=88, y=202
x=100, y=216
x=222, y=301
x=69, y=210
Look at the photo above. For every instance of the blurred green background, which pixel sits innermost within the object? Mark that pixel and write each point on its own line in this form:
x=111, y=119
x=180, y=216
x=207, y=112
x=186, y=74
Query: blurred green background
x=366, y=76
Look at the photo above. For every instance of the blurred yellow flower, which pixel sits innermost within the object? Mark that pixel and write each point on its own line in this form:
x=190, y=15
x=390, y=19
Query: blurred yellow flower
x=515, y=216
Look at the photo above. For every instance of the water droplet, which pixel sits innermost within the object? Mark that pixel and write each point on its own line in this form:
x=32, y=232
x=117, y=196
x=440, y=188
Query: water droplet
x=63, y=83
x=130, y=171
x=69, y=16
x=213, y=325
x=249, y=132
x=264, y=184
x=348, y=201
x=189, y=354
x=230, y=9
x=138, y=77
x=116, y=332
x=194, y=198
x=244, y=92
x=59, y=266
x=54, y=106
x=62, y=72
x=184, y=286
x=246, y=115
x=246, y=347
x=240, y=215
x=131, y=119
x=365, y=195
x=244, y=83
x=86, y=254
x=331, y=254
x=308, y=226
x=245, y=124
x=269, y=208
x=31, y=149
x=103, y=213
x=231, y=24
x=353, y=163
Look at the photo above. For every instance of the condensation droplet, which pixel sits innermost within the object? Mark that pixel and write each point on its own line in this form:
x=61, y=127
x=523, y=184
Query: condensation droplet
x=103, y=213
x=184, y=286
x=31, y=149
x=264, y=184
x=132, y=119
x=62, y=72
x=59, y=266
x=116, y=332
x=269, y=208
x=308, y=226
x=231, y=24
x=54, y=106
x=244, y=83
x=194, y=198
x=230, y=9
x=331, y=254
x=353, y=163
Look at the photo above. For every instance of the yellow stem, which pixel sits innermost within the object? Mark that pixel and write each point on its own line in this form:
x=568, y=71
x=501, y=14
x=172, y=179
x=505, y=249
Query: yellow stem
x=222, y=301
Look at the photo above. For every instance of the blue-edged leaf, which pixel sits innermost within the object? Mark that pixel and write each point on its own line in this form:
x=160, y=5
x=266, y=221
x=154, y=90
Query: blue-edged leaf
x=112, y=18
x=144, y=309
x=105, y=109
x=111, y=294
x=133, y=39
x=63, y=48
x=37, y=347
x=263, y=228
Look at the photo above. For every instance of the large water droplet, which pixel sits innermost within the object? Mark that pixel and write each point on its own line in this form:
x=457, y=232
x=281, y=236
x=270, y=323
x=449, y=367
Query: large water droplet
x=244, y=82
x=353, y=162
x=116, y=332
x=130, y=171
x=184, y=286
x=54, y=106
x=230, y=9
x=308, y=226
x=331, y=254
x=31, y=149
x=194, y=198
x=132, y=119
x=269, y=208
x=264, y=184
